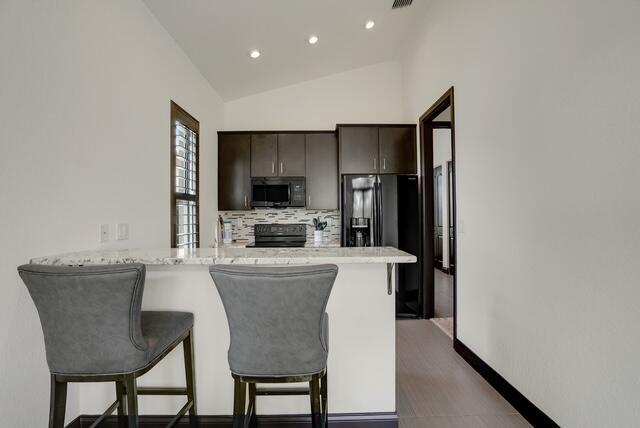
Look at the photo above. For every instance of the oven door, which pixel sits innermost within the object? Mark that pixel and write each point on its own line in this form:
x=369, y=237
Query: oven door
x=265, y=193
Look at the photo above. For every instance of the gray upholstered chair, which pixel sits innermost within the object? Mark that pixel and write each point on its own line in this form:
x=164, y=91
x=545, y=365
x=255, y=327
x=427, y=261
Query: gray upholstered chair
x=95, y=331
x=279, y=332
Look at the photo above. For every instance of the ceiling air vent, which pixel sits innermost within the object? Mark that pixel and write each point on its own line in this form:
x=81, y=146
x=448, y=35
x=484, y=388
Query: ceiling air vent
x=397, y=4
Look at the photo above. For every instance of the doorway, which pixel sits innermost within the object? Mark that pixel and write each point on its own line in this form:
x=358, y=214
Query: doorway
x=438, y=203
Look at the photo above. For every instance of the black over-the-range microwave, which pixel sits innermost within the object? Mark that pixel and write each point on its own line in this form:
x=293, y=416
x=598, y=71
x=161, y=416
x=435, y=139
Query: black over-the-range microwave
x=277, y=192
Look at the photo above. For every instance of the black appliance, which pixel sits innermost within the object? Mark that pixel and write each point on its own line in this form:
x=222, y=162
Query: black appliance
x=277, y=192
x=384, y=210
x=279, y=235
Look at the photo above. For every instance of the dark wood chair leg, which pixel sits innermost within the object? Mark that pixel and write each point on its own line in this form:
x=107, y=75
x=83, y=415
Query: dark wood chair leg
x=239, y=403
x=314, y=397
x=323, y=393
x=253, y=417
x=121, y=396
x=132, y=400
x=190, y=373
x=58, y=403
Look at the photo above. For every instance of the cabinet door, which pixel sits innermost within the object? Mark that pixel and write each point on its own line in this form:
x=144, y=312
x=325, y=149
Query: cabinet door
x=234, y=181
x=264, y=155
x=291, y=155
x=397, y=150
x=359, y=150
x=322, y=171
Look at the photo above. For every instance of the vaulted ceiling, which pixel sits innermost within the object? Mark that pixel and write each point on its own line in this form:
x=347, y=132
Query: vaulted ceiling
x=218, y=35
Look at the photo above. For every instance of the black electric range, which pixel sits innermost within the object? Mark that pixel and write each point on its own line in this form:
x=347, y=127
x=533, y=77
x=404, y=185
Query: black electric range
x=279, y=235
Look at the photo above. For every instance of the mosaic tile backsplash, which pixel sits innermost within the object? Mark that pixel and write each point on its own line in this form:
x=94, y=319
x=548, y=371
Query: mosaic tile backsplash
x=244, y=230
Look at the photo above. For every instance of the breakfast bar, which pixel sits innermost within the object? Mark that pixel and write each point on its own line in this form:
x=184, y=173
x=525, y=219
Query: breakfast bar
x=361, y=363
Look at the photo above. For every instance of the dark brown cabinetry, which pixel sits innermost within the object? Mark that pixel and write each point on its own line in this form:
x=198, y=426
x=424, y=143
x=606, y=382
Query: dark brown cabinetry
x=322, y=171
x=397, y=150
x=274, y=155
x=234, y=174
x=377, y=149
x=291, y=160
x=358, y=149
x=264, y=155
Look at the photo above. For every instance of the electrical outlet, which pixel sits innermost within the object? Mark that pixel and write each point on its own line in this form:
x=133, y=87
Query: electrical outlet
x=329, y=221
x=239, y=223
x=103, y=233
x=122, y=231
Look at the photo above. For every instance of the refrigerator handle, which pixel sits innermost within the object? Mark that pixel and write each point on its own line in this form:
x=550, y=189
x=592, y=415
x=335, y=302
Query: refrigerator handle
x=380, y=213
x=345, y=227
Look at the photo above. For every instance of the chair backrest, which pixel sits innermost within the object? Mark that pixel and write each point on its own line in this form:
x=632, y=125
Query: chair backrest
x=90, y=315
x=276, y=315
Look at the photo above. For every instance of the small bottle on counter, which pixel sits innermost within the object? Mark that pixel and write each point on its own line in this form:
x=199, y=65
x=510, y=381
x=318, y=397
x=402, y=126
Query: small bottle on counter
x=227, y=232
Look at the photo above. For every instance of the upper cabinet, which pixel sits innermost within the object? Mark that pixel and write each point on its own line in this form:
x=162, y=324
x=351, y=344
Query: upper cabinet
x=275, y=155
x=234, y=175
x=397, y=150
x=322, y=171
x=291, y=160
x=374, y=149
x=264, y=155
x=358, y=149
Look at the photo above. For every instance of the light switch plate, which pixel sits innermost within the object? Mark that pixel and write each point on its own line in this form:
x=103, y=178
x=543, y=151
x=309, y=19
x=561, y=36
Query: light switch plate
x=103, y=233
x=122, y=231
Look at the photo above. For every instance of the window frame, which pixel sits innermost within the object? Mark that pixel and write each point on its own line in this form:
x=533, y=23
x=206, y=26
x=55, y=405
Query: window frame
x=178, y=114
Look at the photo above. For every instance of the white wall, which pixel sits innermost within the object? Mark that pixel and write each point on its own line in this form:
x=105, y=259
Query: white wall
x=441, y=157
x=370, y=94
x=547, y=100
x=84, y=108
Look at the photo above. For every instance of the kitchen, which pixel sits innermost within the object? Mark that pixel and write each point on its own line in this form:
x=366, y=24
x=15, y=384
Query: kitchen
x=346, y=197
x=168, y=146
x=358, y=182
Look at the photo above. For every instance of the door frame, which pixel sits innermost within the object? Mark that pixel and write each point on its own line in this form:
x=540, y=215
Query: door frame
x=426, y=126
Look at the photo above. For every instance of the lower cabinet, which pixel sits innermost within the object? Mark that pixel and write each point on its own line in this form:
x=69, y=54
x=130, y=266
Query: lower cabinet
x=321, y=165
x=234, y=172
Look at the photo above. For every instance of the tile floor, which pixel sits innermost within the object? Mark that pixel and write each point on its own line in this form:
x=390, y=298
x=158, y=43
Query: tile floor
x=437, y=388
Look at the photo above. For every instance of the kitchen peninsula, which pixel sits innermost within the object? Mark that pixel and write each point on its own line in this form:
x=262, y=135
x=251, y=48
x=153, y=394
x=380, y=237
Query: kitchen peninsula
x=361, y=366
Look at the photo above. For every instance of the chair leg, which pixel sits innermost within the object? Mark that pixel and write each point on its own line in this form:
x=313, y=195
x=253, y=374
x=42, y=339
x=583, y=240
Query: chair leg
x=239, y=403
x=58, y=403
x=132, y=400
x=323, y=393
x=189, y=370
x=314, y=397
x=121, y=396
x=253, y=417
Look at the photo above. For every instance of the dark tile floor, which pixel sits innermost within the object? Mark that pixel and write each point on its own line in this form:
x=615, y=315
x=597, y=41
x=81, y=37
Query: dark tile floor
x=437, y=388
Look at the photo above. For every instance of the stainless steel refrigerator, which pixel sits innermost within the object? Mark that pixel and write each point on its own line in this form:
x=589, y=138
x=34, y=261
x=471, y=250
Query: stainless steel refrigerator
x=384, y=210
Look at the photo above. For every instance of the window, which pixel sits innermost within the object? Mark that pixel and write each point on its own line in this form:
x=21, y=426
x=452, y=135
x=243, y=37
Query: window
x=185, y=205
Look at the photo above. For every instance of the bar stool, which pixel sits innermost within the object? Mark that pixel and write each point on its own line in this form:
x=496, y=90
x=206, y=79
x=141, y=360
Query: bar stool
x=279, y=332
x=95, y=331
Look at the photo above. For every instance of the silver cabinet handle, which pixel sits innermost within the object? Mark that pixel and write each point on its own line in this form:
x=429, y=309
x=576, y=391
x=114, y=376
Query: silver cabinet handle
x=309, y=198
x=246, y=201
x=375, y=165
x=273, y=167
x=384, y=163
x=281, y=167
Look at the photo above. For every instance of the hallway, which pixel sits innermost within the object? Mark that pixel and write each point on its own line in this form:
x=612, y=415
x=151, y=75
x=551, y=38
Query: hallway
x=437, y=388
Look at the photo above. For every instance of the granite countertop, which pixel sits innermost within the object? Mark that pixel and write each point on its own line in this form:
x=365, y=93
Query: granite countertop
x=232, y=255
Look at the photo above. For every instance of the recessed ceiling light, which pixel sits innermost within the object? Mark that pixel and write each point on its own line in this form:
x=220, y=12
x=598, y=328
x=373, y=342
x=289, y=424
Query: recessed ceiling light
x=313, y=40
x=254, y=54
x=369, y=25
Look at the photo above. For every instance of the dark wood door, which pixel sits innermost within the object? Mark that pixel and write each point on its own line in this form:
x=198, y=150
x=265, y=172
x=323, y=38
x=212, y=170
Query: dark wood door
x=234, y=180
x=359, y=150
x=322, y=171
x=264, y=155
x=291, y=155
x=398, y=150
